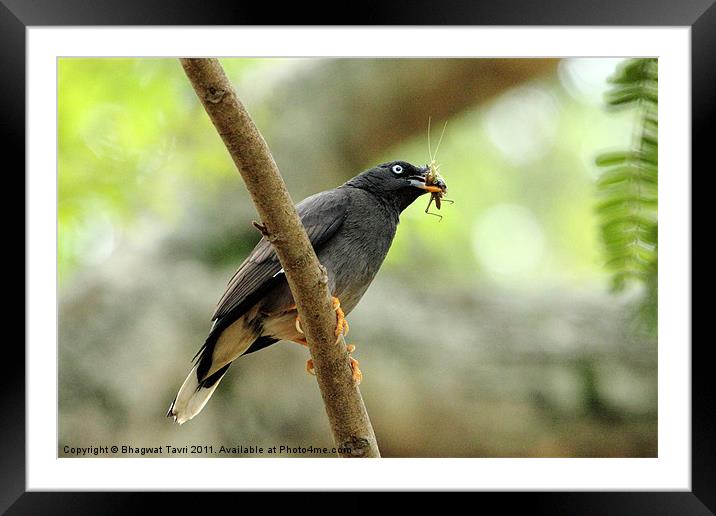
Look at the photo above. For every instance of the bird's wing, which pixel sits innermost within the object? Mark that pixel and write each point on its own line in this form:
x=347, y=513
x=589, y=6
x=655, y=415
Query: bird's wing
x=321, y=214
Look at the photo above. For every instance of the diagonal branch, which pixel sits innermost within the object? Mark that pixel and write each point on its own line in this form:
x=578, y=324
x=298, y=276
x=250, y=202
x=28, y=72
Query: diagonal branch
x=352, y=431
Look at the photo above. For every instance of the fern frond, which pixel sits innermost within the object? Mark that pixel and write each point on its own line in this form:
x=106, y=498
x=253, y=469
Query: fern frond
x=628, y=185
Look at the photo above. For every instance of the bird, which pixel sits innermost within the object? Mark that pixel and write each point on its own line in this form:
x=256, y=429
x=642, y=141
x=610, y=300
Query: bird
x=351, y=229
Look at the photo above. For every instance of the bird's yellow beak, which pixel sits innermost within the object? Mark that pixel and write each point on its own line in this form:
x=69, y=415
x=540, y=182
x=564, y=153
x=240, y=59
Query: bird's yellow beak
x=431, y=188
x=419, y=182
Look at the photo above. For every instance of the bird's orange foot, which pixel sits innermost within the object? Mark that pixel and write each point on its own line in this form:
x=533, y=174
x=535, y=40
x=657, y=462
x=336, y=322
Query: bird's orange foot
x=342, y=326
x=357, y=374
x=341, y=323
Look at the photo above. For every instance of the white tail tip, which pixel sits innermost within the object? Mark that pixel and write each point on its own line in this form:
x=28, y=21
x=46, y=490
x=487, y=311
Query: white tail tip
x=190, y=399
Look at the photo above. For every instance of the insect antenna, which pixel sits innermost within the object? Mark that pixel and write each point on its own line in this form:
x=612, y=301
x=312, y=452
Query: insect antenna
x=440, y=141
x=430, y=149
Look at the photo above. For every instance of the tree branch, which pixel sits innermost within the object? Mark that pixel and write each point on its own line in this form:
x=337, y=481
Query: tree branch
x=307, y=278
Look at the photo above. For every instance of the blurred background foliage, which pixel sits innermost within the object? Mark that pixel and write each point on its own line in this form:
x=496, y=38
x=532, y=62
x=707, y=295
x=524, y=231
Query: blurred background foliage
x=490, y=333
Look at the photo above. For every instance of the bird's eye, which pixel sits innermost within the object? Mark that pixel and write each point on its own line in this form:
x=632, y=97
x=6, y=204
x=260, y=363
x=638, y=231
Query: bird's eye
x=397, y=169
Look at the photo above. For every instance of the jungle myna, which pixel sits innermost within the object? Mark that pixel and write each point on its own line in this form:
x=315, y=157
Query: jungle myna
x=351, y=228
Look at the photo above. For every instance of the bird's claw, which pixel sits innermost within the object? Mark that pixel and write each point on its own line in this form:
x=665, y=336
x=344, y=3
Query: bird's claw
x=355, y=365
x=357, y=374
x=341, y=331
x=342, y=327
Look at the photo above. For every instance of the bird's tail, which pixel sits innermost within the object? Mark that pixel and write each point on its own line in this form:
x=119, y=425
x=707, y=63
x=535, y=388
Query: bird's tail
x=194, y=394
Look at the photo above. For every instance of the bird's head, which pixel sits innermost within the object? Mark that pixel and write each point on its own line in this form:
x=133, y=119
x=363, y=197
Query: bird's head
x=398, y=183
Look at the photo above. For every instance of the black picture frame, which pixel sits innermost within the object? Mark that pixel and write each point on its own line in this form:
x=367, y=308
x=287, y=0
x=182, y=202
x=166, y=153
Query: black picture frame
x=17, y=15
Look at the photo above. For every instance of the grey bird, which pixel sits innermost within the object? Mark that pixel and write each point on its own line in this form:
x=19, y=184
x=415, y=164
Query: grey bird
x=351, y=228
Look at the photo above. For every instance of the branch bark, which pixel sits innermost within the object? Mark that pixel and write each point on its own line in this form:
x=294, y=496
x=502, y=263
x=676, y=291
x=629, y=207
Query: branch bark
x=307, y=278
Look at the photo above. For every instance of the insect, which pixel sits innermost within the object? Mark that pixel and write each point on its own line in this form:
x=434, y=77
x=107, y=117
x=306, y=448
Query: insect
x=433, y=178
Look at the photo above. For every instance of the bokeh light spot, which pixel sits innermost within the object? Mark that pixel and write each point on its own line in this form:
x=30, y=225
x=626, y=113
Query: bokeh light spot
x=508, y=241
x=522, y=124
x=585, y=79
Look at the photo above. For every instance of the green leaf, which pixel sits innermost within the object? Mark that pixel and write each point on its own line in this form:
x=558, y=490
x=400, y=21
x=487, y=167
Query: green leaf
x=628, y=185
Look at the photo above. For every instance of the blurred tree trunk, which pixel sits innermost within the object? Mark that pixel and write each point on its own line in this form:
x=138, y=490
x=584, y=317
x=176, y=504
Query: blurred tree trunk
x=367, y=106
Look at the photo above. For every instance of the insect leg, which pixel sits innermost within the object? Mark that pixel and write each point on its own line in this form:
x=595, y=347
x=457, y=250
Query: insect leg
x=429, y=203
